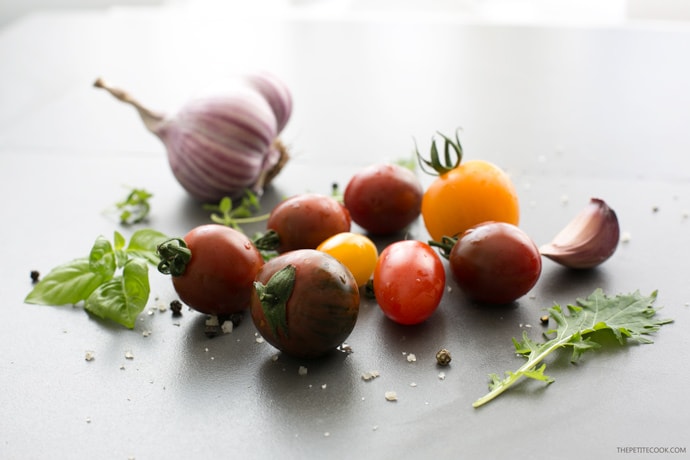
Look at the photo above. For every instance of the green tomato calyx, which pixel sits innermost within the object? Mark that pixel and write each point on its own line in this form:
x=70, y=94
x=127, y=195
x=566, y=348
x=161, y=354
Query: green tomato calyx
x=452, y=156
x=269, y=241
x=274, y=296
x=175, y=255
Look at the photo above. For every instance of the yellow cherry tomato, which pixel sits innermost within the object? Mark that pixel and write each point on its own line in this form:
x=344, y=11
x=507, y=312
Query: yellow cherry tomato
x=357, y=252
x=475, y=192
x=464, y=194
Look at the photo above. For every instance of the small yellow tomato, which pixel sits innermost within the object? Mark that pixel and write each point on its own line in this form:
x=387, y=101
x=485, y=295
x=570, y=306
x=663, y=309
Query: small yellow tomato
x=357, y=252
x=474, y=192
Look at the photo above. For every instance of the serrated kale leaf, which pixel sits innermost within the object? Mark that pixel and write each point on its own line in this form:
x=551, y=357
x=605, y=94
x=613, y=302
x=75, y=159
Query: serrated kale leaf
x=629, y=317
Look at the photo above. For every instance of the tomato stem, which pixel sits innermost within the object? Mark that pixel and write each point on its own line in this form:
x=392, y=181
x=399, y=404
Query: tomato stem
x=274, y=296
x=452, y=156
x=269, y=241
x=445, y=245
x=175, y=255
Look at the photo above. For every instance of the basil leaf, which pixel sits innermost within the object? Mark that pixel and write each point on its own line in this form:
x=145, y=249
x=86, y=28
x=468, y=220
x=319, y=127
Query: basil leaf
x=120, y=254
x=67, y=284
x=122, y=298
x=119, y=240
x=144, y=243
x=102, y=258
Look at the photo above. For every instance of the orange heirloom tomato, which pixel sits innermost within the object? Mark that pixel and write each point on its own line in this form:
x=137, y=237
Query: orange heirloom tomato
x=466, y=194
x=357, y=252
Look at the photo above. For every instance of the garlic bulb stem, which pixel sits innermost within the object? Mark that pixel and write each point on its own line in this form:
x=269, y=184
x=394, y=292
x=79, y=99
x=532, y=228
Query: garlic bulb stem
x=151, y=119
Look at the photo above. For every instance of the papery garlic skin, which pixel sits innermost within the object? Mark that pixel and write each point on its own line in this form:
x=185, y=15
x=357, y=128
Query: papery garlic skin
x=276, y=93
x=220, y=146
x=588, y=240
x=226, y=143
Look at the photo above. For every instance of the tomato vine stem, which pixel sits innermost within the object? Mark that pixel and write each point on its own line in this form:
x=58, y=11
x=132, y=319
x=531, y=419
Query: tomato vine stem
x=452, y=156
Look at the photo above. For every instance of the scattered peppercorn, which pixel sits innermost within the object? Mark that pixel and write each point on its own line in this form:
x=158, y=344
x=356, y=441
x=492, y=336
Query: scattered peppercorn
x=443, y=357
x=234, y=318
x=176, y=308
x=212, y=330
x=35, y=276
x=544, y=319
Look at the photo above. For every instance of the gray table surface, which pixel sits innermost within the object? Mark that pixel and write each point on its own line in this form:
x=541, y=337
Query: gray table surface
x=569, y=112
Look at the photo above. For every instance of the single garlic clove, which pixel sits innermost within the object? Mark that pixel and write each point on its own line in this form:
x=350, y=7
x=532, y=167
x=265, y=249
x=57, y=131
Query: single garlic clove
x=588, y=240
x=277, y=95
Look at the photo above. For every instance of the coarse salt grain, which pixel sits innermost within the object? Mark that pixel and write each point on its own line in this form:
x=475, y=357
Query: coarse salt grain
x=442, y=376
x=227, y=327
x=89, y=356
x=411, y=358
x=212, y=321
x=129, y=355
x=370, y=375
x=391, y=396
x=302, y=370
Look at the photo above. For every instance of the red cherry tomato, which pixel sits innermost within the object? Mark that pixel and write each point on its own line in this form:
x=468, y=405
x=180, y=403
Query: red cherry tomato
x=495, y=262
x=304, y=221
x=218, y=277
x=384, y=198
x=409, y=280
x=305, y=303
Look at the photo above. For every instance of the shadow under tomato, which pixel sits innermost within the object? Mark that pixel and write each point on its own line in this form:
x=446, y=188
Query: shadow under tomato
x=315, y=388
x=432, y=334
x=224, y=360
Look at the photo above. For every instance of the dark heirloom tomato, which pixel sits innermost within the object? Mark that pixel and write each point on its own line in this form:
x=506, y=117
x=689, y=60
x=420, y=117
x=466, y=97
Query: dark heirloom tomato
x=409, y=280
x=384, y=198
x=213, y=268
x=305, y=303
x=495, y=262
x=304, y=221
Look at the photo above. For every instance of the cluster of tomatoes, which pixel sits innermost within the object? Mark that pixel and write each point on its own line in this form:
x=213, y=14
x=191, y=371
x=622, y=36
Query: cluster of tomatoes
x=305, y=300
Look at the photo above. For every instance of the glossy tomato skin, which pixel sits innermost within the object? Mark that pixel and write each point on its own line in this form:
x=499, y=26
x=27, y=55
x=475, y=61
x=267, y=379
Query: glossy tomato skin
x=495, y=263
x=357, y=252
x=409, y=281
x=321, y=310
x=218, y=278
x=303, y=221
x=384, y=199
x=476, y=191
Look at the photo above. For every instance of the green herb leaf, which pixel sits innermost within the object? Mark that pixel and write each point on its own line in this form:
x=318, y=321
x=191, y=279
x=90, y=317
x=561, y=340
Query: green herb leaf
x=629, y=317
x=144, y=244
x=135, y=207
x=102, y=259
x=122, y=298
x=66, y=284
x=235, y=214
x=93, y=279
